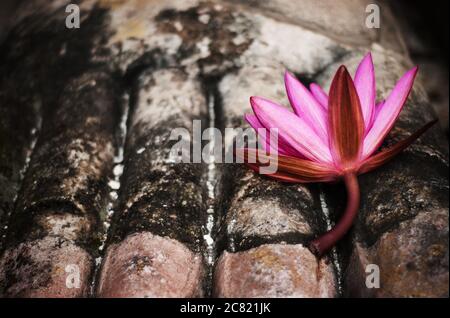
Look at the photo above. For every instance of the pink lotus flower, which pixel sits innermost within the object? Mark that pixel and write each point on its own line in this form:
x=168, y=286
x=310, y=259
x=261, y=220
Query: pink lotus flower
x=330, y=138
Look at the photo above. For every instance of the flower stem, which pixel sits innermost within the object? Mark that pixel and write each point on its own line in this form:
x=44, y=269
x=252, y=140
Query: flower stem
x=324, y=243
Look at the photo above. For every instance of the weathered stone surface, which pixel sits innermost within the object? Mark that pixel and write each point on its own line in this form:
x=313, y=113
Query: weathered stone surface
x=263, y=211
x=225, y=51
x=402, y=203
x=435, y=80
x=64, y=190
x=73, y=155
x=273, y=270
x=413, y=260
x=329, y=17
x=249, y=50
x=48, y=267
x=187, y=33
x=136, y=39
x=27, y=66
x=294, y=208
x=147, y=265
x=159, y=195
x=266, y=211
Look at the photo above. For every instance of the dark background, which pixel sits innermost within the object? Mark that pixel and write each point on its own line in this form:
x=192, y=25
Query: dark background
x=425, y=26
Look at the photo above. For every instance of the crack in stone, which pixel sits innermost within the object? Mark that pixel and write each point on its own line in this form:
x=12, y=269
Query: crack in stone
x=212, y=180
x=334, y=253
x=210, y=185
x=114, y=185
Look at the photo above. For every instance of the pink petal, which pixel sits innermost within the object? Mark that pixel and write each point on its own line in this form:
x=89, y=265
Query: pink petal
x=346, y=122
x=375, y=115
x=387, y=154
x=290, y=169
x=283, y=147
x=293, y=129
x=365, y=86
x=319, y=95
x=377, y=109
x=388, y=112
x=256, y=124
x=306, y=106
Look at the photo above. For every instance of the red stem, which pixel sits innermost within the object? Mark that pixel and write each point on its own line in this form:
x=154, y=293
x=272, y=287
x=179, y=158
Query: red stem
x=324, y=243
